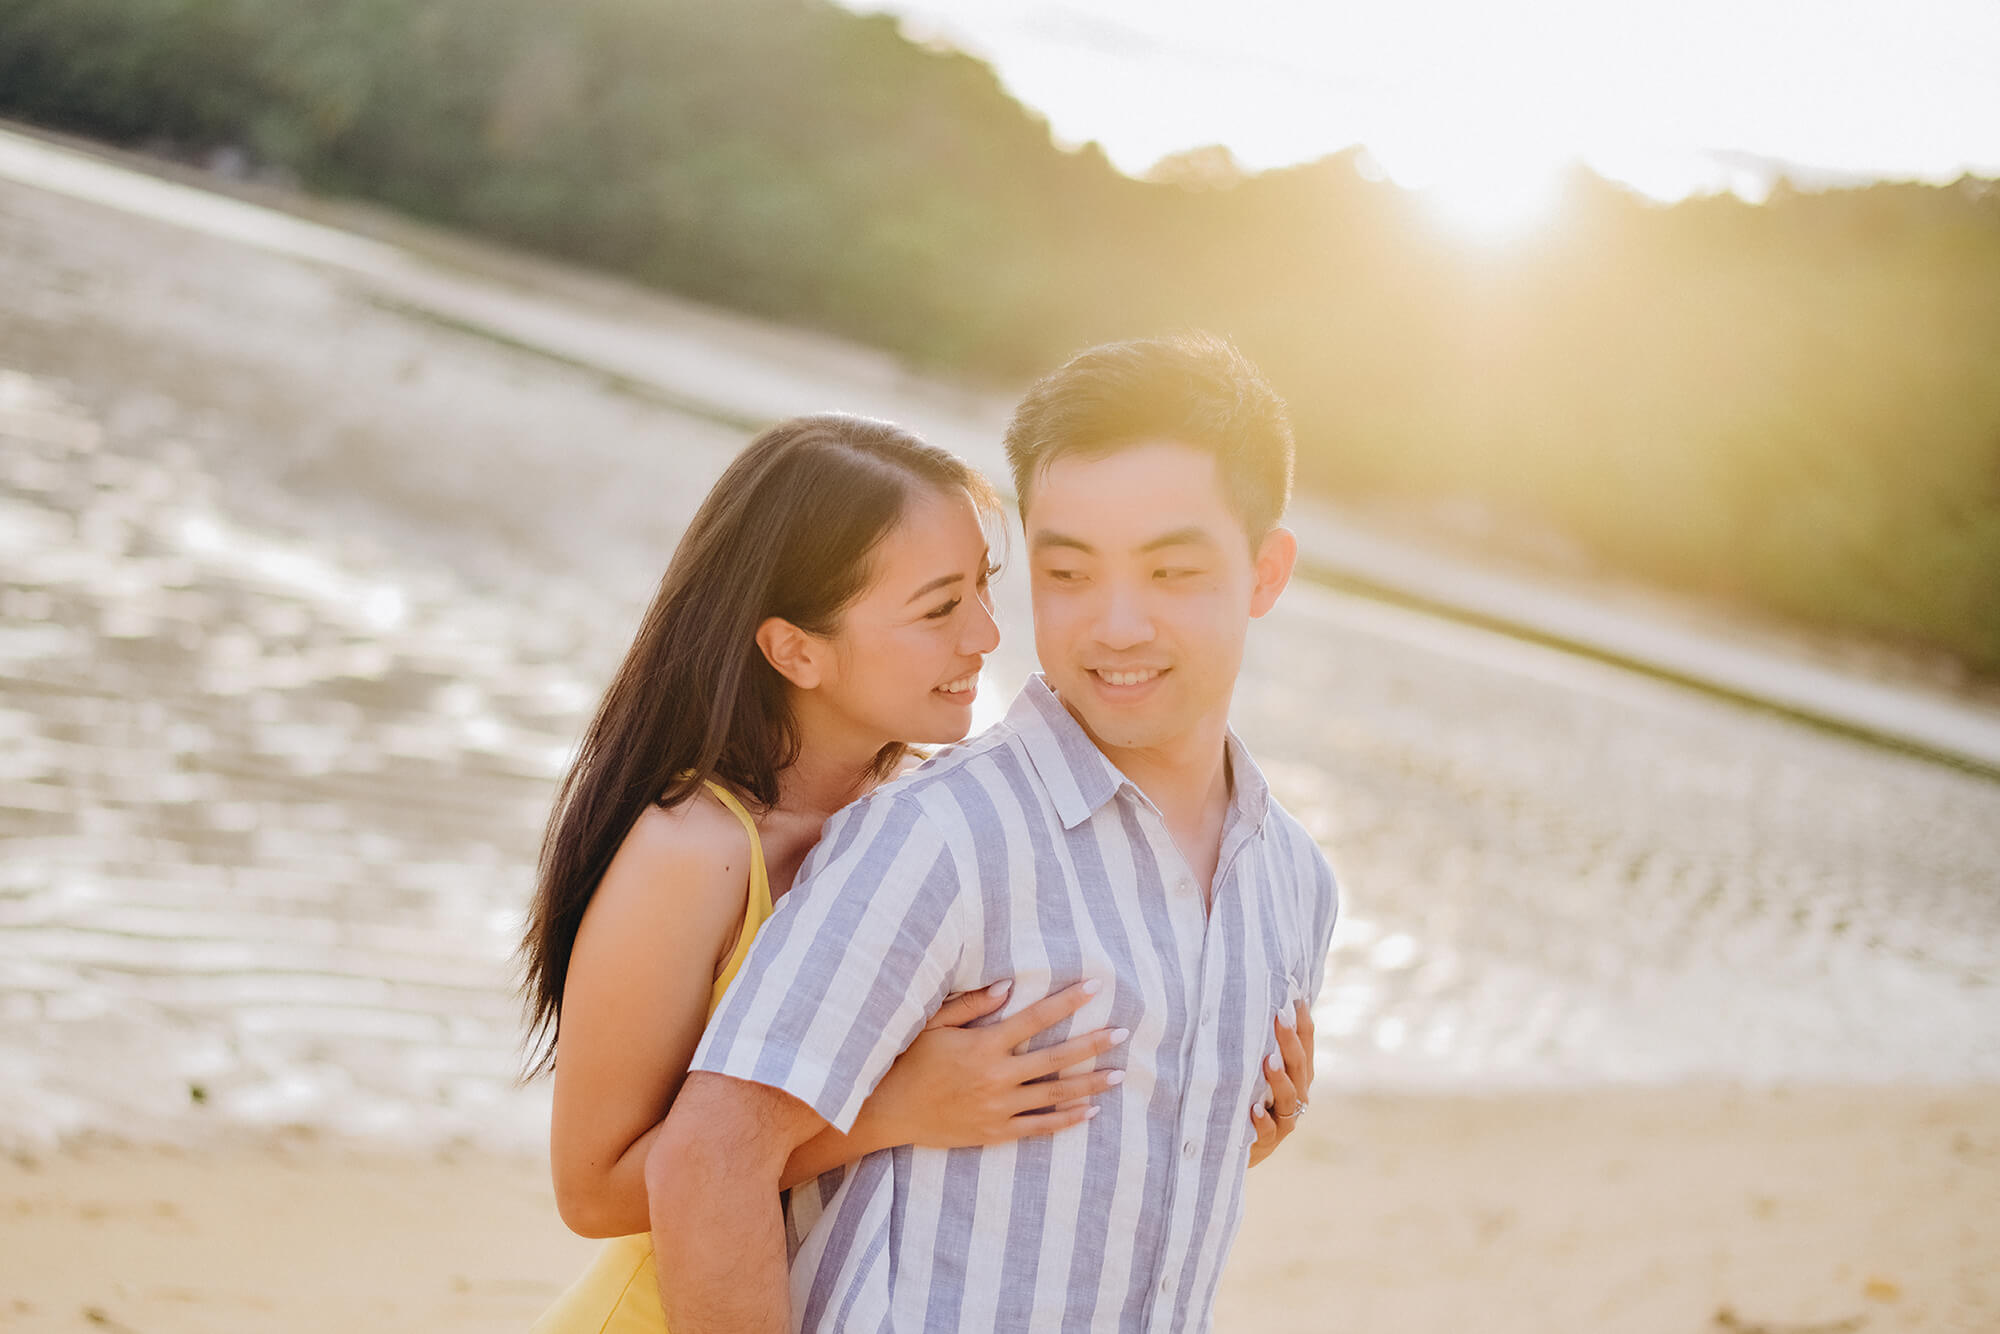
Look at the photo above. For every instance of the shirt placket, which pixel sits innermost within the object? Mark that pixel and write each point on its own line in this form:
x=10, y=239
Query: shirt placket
x=1205, y=1002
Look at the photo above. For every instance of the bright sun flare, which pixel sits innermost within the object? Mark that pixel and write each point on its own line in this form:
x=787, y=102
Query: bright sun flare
x=1492, y=205
x=1672, y=99
x=1493, y=209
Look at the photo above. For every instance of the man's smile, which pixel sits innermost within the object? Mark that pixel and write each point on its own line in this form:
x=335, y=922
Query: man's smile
x=1130, y=678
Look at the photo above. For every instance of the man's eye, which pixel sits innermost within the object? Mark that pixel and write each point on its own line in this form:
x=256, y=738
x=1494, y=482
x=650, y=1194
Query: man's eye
x=1176, y=572
x=1061, y=576
x=942, y=612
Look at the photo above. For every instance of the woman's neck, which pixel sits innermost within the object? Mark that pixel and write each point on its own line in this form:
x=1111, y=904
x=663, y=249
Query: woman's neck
x=834, y=767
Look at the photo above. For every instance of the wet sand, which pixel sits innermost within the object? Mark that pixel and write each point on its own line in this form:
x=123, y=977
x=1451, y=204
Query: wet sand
x=306, y=597
x=1801, y=1212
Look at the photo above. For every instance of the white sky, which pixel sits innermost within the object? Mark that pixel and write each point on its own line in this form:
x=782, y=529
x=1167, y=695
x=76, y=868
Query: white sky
x=1672, y=96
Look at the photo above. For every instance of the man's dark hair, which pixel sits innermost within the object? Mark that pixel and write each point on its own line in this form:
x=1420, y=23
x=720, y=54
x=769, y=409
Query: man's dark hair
x=1192, y=389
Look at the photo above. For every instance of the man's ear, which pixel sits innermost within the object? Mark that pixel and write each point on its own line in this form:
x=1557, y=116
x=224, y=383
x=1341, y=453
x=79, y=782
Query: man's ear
x=1273, y=561
x=795, y=654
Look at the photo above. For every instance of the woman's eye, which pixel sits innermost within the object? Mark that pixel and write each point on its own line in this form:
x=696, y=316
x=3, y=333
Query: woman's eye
x=942, y=612
x=1061, y=576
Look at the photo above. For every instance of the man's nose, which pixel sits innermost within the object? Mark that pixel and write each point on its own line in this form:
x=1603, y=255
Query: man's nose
x=1122, y=620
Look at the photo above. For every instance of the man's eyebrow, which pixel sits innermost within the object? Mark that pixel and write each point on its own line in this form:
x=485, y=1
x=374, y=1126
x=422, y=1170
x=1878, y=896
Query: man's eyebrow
x=1045, y=539
x=1190, y=536
x=942, y=581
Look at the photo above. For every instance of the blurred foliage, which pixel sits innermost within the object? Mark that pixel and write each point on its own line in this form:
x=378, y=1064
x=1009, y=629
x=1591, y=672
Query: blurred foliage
x=1795, y=404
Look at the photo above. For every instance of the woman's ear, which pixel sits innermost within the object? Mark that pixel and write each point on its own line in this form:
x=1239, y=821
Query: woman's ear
x=794, y=653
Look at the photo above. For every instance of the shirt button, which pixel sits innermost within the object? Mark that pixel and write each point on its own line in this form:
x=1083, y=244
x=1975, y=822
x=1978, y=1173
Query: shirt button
x=1187, y=1149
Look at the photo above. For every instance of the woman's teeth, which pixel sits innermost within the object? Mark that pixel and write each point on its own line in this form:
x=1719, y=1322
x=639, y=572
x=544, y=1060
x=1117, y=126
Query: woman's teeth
x=960, y=686
x=1129, y=678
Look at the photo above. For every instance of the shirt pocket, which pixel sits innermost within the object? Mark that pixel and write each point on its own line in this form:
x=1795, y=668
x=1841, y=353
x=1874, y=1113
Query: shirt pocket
x=1272, y=990
x=1283, y=990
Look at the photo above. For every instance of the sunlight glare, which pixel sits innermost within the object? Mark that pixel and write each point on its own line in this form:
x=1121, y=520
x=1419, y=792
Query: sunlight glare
x=1493, y=205
x=1479, y=189
x=1693, y=97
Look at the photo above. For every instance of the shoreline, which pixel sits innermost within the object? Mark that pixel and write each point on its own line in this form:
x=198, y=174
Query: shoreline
x=1465, y=559
x=1800, y=1210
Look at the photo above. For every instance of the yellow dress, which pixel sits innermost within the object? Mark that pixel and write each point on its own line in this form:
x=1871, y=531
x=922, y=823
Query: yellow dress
x=620, y=1292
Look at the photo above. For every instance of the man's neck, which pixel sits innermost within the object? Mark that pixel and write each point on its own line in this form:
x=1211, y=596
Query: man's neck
x=1187, y=790
x=1187, y=779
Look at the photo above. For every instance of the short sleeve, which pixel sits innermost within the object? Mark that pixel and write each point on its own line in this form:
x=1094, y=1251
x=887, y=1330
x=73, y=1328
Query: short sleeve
x=850, y=966
x=1325, y=902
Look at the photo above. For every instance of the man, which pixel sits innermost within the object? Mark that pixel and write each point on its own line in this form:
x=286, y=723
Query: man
x=1111, y=830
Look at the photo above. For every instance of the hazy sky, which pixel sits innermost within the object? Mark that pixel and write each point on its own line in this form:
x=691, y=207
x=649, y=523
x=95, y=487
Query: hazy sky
x=1490, y=97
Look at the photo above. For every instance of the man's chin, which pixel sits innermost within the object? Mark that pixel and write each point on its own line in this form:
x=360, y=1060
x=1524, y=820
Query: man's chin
x=1112, y=728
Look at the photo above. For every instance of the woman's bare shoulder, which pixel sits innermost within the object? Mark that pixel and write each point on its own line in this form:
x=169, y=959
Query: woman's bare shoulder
x=694, y=855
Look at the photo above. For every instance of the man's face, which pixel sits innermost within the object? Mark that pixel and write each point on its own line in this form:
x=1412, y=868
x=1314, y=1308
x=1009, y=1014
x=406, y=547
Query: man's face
x=1144, y=585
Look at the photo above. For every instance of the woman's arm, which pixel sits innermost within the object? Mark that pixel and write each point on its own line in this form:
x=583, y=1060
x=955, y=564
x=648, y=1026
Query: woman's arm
x=877, y=1126
x=958, y=1086
x=635, y=999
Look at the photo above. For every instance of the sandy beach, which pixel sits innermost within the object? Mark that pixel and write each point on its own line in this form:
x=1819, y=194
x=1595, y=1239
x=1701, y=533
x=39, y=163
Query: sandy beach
x=1617, y=1212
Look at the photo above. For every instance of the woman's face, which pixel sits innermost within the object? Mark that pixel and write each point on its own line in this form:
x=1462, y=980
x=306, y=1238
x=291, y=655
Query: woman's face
x=905, y=662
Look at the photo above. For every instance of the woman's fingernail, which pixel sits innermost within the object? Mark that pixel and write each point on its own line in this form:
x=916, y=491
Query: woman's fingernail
x=1118, y=1035
x=1288, y=1017
x=1091, y=1113
x=1273, y=1063
x=1115, y=1078
x=1000, y=989
x=1257, y=1110
x=1092, y=987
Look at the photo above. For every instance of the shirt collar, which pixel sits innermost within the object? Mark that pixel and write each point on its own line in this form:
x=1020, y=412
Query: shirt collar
x=1080, y=779
x=1252, y=795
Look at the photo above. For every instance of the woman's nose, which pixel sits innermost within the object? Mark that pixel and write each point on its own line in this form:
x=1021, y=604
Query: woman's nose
x=982, y=630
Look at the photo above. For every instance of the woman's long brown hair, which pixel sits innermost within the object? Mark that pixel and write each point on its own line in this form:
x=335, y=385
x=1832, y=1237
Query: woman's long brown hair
x=786, y=531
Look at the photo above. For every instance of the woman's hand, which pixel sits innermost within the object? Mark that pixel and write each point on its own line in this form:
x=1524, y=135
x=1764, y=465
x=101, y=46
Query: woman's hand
x=1289, y=1080
x=958, y=1087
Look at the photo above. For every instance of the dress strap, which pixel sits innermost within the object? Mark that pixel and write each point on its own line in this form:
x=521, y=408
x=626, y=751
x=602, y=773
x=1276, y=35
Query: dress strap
x=759, y=905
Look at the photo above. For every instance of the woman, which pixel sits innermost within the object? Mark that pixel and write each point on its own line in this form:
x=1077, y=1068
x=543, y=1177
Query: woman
x=826, y=608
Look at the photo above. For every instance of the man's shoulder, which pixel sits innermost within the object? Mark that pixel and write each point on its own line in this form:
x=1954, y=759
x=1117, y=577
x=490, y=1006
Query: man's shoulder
x=1286, y=827
x=1298, y=849
x=939, y=792
x=958, y=773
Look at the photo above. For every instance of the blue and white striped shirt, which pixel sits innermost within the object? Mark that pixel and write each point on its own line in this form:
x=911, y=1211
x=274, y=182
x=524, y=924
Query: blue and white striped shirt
x=1026, y=854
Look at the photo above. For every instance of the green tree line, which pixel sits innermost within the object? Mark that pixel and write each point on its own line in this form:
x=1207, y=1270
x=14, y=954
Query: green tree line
x=1794, y=404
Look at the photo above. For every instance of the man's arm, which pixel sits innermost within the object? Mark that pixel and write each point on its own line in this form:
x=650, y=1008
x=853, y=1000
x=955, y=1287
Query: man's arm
x=859, y=952
x=712, y=1185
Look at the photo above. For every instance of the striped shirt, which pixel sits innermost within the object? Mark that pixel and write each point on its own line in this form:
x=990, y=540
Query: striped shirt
x=1026, y=854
